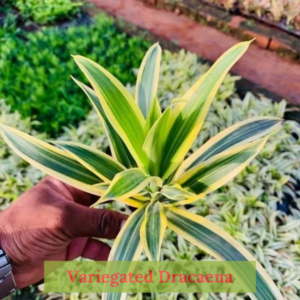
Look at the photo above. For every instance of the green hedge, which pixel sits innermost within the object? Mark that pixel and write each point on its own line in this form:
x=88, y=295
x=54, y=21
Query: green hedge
x=35, y=73
x=41, y=12
x=47, y=11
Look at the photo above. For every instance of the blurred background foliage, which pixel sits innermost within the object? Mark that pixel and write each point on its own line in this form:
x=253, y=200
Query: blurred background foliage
x=36, y=67
x=47, y=11
x=42, y=11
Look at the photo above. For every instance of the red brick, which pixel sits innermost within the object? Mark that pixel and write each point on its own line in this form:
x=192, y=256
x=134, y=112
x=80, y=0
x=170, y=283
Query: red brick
x=236, y=21
x=260, y=39
x=276, y=45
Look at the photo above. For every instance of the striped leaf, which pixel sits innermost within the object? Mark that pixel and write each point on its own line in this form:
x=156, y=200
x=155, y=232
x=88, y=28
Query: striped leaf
x=153, y=230
x=118, y=148
x=217, y=171
x=238, y=134
x=94, y=160
x=51, y=160
x=127, y=246
x=218, y=243
x=119, y=107
x=178, y=100
x=189, y=116
x=147, y=83
x=179, y=195
x=155, y=141
x=132, y=201
x=154, y=114
x=128, y=183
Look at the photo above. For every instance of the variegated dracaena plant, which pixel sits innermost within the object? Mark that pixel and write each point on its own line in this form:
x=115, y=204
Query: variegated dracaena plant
x=148, y=169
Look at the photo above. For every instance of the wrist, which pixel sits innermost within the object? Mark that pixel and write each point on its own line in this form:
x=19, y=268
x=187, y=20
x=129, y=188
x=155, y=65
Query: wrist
x=6, y=239
x=3, y=234
x=7, y=282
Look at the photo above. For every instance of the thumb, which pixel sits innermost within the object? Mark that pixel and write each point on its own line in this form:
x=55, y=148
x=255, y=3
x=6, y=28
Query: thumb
x=83, y=221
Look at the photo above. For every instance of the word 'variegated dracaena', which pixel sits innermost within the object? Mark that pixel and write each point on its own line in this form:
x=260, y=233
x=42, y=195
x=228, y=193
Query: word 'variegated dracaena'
x=148, y=169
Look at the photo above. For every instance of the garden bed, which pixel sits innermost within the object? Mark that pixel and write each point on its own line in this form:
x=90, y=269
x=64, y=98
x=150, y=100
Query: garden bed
x=268, y=34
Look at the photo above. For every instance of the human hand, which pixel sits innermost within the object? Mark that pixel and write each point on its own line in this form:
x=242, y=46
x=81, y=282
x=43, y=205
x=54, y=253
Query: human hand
x=53, y=221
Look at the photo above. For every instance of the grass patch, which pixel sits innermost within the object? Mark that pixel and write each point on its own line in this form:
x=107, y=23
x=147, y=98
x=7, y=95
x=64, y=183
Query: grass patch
x=35, y=69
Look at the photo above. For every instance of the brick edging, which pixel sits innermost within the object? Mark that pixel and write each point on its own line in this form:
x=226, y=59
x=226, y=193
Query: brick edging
x=241, y=27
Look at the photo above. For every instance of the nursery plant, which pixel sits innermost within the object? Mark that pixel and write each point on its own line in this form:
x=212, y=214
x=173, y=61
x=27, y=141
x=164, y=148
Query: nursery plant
x=147, y=168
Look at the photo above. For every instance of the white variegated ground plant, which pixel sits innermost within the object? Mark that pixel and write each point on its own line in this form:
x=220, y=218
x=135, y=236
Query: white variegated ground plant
x=148, y=169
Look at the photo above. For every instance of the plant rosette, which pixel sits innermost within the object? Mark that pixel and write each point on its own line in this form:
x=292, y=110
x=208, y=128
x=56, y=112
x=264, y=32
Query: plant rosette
x=148, y=169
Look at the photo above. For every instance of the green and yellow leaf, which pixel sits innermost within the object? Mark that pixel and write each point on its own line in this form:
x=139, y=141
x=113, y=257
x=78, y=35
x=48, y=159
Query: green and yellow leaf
x=179, y=195
x=221, y=245
x=153, y=229
x=134, y=201
x=51, y=160
x=175, y=101
x=220, y=169
x=154, y=114
x=147, y=83
x=94, y=160
x=118, y=148
x=155, y=142
x=119, y=107
x=127, y=246
x=239, y=134
x=127, y=184
x=189, y=116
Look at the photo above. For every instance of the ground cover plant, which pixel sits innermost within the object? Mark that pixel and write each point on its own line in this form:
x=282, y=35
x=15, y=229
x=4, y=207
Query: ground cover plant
x=36, y=69
x=147, y=169
x=16, y=176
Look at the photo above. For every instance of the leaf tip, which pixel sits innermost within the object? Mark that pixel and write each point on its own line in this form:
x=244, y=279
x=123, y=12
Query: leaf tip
x=74, y=79
x=156, y=45
x=77, y=58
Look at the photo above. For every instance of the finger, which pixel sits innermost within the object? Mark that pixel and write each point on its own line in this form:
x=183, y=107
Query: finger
x=68, y=192
x=76, y=248
x=81, y=221
x=96, y=250
x=88, y=248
